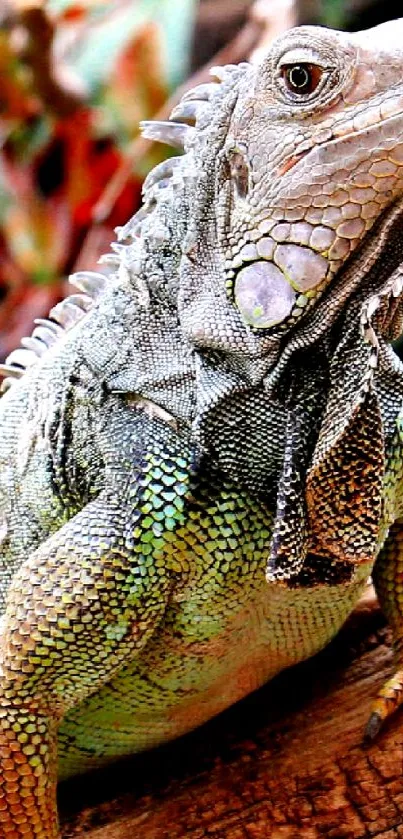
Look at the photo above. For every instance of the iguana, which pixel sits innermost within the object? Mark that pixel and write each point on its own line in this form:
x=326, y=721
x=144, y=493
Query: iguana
x=202, y=460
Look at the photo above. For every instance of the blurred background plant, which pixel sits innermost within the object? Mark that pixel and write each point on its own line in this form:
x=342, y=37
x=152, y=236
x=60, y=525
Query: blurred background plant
x=76, y=77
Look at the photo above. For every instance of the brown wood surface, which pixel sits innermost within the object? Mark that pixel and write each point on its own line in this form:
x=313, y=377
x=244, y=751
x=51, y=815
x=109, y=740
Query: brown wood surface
x=286, y=763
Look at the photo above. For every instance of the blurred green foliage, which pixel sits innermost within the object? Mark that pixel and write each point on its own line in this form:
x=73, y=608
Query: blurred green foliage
x=334, y=13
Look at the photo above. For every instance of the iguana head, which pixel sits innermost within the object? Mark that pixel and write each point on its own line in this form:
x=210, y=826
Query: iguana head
x=294, y=161
x=313, y=156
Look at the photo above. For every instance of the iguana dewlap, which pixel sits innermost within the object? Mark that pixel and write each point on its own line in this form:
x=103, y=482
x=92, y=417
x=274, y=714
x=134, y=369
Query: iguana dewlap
x=201, y=462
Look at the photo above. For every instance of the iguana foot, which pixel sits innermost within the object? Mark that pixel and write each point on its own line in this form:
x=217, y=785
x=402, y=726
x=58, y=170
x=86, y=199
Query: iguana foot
x=389, y=699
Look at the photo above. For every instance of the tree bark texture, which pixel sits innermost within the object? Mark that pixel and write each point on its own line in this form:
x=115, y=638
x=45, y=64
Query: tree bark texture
x=288, y=762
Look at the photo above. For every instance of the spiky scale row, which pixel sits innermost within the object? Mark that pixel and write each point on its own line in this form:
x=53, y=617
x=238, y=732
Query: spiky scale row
x=89, y=282
x=47, y=332
x=170, y=133
x=161, y=172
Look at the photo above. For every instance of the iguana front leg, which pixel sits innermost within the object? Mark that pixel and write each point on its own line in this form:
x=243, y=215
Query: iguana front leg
x=82, y=604
x=388, y=581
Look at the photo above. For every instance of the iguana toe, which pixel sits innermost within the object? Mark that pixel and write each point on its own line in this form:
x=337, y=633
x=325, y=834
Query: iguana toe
x=389, y=699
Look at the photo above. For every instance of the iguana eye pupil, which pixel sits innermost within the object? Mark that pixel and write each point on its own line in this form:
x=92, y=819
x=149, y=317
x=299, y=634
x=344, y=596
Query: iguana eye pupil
x=302, y=78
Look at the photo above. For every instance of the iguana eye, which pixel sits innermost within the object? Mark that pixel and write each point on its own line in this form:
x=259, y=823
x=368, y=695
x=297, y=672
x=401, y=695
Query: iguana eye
x=301, y=78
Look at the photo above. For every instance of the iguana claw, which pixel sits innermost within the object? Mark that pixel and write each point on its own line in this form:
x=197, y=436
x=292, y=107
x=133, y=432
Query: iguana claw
x=389, y=699
x=373, y=727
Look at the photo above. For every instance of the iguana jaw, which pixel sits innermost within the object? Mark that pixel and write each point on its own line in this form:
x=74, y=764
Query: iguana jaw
x=282, y=273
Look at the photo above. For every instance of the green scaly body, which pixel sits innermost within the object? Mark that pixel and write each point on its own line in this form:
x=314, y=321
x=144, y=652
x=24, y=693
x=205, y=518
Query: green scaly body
x=201, y=542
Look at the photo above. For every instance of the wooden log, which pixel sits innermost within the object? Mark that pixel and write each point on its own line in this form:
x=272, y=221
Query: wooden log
x=287, y=762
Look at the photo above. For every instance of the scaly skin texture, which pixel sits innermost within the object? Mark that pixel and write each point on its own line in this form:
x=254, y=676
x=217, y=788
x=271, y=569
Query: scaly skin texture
x=199, y=473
